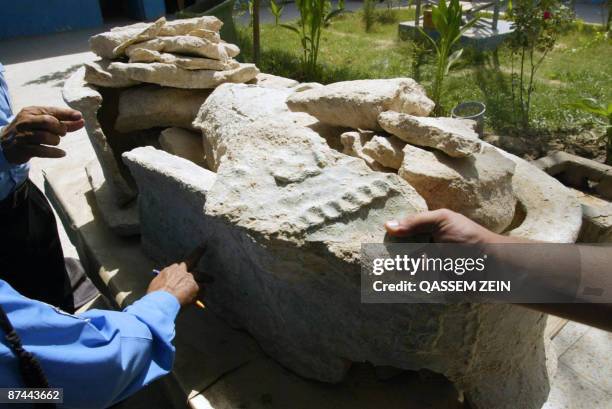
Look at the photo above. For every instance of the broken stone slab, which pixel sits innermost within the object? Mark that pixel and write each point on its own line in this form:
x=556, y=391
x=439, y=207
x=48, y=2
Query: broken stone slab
x=357, y=104
x=88, y=100
x=188, y=45
x=147, y=34
x=169, y=75
x=577, y=172
x=100, y=73
x=184, y=143
x=549, y=211
x=386, y=150
x=152, y=106
x=262, y=103
x=123, y=221
x=273, y=81
x=354, y=143
x=455, y=137
x=479, y=187
x=284, y=221
x=105, y=44
x=596, y=219
x=185, y=200
x=185, y=62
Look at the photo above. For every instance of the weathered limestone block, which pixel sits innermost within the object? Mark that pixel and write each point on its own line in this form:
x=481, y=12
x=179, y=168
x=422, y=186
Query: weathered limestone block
x=386, y=150
x=188, y=45
x=549, y=211
x=284, y=221
x=82, y=97
x=123, y=221
x=354, y=143
x=105, y=44
x=187, y=26
x=183, y=143
x=179, y=186
x=273, y=81
x=577, y=172
x=147, y=34
x=152, y=106
x=259, y=102
x=169, y=75
x=480, y=186
x=185, y=62
x=357, y=104
x=455, y=137
x=100, y=73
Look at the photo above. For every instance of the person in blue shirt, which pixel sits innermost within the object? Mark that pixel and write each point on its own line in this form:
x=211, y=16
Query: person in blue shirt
x=97, y=357
x=31, y=257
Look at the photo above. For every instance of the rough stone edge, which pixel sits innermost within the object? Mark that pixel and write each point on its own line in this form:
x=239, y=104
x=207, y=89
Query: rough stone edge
x=83, y=97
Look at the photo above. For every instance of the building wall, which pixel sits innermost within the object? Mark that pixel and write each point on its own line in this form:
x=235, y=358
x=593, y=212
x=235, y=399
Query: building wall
x=30, y=17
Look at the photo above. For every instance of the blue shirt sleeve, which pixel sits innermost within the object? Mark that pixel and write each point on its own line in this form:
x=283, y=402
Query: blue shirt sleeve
x=11, y=175
x=98, y=357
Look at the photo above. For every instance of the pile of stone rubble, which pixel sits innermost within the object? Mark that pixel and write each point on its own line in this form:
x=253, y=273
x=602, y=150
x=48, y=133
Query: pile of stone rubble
x=180, y=54
x=146, y=89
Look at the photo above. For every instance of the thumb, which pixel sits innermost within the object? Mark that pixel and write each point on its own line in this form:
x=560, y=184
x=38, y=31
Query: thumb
x=426, y=222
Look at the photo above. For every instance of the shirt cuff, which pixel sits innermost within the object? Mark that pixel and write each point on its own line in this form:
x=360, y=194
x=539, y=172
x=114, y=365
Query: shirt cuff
x=4, y=164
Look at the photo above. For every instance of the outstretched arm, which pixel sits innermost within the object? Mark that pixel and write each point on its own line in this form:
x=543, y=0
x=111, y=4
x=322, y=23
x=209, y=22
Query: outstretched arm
x=447, y=226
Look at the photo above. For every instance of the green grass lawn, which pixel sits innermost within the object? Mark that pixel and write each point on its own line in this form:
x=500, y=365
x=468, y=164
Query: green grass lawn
x=578, y=67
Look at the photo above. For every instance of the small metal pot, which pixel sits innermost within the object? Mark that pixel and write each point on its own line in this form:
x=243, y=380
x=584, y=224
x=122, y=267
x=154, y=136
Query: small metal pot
x=473, y=110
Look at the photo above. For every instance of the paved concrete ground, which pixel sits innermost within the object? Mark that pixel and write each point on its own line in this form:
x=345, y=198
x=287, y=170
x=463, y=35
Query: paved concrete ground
x=36, y=69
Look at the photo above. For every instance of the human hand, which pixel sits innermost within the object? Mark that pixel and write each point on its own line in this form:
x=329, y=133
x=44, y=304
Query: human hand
x=35, y=130
x=176, y=280
x=445, y=226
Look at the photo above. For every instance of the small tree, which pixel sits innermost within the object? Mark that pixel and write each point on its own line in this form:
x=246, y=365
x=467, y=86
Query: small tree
x=448, y=24
x=537, y=26
x=591, y=106
x=314, y=16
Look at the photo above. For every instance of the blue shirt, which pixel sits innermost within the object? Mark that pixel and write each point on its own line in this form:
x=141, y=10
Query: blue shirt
x=98, y=357
x=11, y=175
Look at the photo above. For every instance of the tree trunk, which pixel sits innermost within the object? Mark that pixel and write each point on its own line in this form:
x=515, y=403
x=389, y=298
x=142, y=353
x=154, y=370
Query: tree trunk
x=256, y=46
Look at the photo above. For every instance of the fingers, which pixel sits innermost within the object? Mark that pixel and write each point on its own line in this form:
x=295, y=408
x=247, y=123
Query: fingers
x=194, y=257
x=42, y=151
x=63, y=114
x=41, y=138
x=44, y=122
x=426, y=222
x=72, y=126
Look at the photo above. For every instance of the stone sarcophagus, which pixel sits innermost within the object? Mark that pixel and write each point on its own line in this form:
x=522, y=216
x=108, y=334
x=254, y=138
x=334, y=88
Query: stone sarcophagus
x=284, y=182
x=287, y=199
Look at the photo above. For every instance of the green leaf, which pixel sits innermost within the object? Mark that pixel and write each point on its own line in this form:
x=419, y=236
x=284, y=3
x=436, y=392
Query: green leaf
x=452, y=59
x=290, y=27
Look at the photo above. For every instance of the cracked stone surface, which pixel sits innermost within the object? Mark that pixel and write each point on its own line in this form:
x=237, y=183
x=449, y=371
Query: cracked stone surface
x=283, y=217
x=455, y=137
x=273, y=81
x=353, y=143
x=479, y=186
x=152, y=106
x=187, y=45
x=185, y=62
x=386, y=150
x=357, y=104
x=85, y=98
x=100, y=73
x=169, y=75
x=106, y=44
